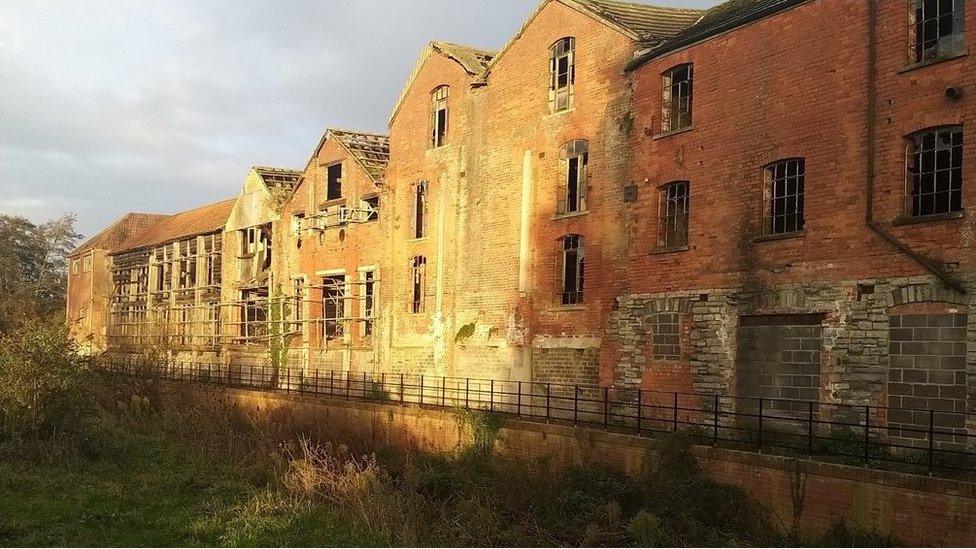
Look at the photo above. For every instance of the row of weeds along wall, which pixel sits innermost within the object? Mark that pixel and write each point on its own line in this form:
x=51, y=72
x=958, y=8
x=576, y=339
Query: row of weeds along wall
x=464, y=486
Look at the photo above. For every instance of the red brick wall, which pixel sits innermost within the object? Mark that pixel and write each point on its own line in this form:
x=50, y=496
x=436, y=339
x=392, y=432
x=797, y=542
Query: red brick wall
x=794, y=85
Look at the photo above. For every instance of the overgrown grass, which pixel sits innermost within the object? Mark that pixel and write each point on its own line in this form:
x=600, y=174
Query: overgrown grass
x=195, y=471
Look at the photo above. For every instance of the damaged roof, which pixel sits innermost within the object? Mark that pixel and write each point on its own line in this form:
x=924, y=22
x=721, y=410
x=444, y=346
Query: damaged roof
x=279, y=177
x=202, y=220
x=649, y=23
x=371, y=150
x=472, y=59
x=716, y=20
x=112, y=237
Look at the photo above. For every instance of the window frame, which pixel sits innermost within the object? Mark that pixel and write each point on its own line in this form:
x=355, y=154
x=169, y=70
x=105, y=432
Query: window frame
x=670, y=236
x=418, y=284
x=570, y=246
x=955, y=40
x=912, y=143
x=438, y=105
x=336, y=322
x=770, y=197
x=367, y=278
x=671, y=91
x=419, y=228
x=329, y=182
x=561, y=96
x=576, y=151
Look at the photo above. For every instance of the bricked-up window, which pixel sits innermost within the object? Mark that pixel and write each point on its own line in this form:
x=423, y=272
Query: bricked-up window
x=420, y=210
x=570, y=265
x=333, y=177
x=418, y=272
x=676, y=104
x=333, y=305
x=572, y=192
x=438, y=116
x=562, y=74
x=935, y=29
x=935, y=171
x=673, y=215
x=369, y=291
x=784, y=196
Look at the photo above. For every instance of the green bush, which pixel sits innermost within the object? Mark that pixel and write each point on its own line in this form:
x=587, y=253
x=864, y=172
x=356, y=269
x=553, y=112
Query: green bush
x=44, y=384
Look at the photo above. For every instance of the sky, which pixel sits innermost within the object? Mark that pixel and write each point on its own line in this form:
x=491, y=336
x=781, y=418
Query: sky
x=108, y=107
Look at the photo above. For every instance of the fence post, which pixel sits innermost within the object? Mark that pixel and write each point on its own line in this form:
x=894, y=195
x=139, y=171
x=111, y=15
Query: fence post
x=715, y=427
x=348, y=383
x=867, y=434
x=640, y=408
x=548, y=387
x=575, y=404
x=383, y=382
x=443, y=390
x=421, y=389
x=401, y=387
x=518, y=406
x=364, y=385
x=467, y=385
x=606, y=407
x=332, y=382
x=810, y=427
x=491, y=395
x=931, y=440
x=760, y=424
x=316, y=381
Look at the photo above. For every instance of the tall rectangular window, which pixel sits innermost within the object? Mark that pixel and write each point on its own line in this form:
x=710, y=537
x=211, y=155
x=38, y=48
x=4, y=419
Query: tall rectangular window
x=935, y=171
x=188, y=264
x=572, y=198
x=438, y=116
x=369, y=287
x=254, y=313
x=333, y=182
x=673, y=215
x=676, y=105
x=333, y=305
x=562, y=74
x=935, y=29
x=298, y=302
x=420, y=210
x=212, y=246
x=784, y=196
x=418, y=268
x=570, y=265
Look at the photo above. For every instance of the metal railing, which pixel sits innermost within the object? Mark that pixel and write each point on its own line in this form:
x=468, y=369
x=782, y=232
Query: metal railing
x=921, y=441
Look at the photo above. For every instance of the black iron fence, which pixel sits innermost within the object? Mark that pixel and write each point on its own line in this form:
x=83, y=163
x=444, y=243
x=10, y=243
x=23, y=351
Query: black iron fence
x=922, y=441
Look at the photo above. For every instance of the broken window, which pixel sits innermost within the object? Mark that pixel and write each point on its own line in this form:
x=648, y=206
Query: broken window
x=369, y=287
x=254, y=313
x=673, y=215
x=935, y=171
x=570, y=265
x=297, y=220
x=212, y=245
x=420, y=210
x=438, y=116
x=188, y=264
x=573, y=192
x=372, y=207
x=676, y=105
x=418, y=270
x=87, y=265
x=333, y=182
x=935, y=29
x=333, y=305
x=249, y=241
x=562, y=74
x=164, y=268
x=784, y=196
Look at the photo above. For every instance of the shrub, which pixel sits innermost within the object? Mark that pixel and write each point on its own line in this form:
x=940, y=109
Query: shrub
x=44, y=384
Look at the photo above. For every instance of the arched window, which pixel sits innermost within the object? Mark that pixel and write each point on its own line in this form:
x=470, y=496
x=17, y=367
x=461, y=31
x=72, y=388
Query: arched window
x=438, y=116
x=934, y=172
x=572, y=189
x=562, y=74
x=570, y=264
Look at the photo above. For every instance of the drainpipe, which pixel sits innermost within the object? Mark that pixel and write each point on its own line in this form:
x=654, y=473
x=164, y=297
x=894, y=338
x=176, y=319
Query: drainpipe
x=925, y=262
